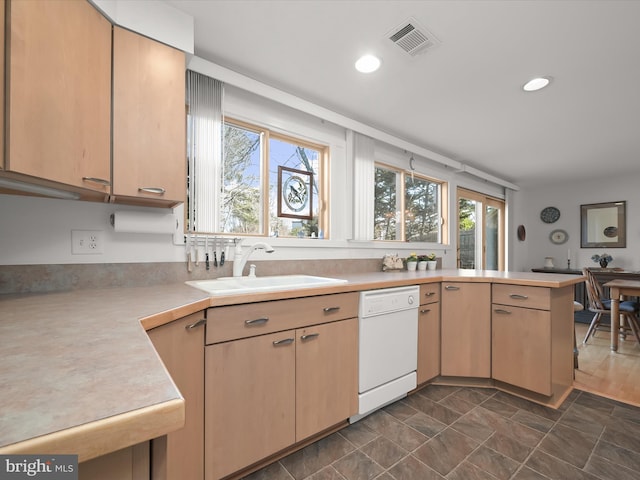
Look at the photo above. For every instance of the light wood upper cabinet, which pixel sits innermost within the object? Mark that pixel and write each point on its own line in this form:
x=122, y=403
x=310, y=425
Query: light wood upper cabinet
x=149, y=136
x=59, y=93
x=466, y=329
x=180, y=345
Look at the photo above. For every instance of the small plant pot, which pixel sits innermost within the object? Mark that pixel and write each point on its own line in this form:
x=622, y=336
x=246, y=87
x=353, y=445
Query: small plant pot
x=432, y=264
x=411, y=266
x=422, y=265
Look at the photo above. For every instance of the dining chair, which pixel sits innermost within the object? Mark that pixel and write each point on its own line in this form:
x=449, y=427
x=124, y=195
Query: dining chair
x=601, y=306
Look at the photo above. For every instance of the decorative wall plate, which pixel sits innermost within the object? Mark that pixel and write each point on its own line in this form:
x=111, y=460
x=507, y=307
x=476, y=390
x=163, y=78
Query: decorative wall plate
x=549, y=214
x=558, y=237
x=522, y=233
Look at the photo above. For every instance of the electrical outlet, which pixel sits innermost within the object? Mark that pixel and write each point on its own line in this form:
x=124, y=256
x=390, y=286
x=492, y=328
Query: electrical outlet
x=86, y=242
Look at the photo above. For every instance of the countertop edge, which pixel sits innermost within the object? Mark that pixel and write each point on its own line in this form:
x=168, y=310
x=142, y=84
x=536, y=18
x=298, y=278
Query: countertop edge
x=107, y=435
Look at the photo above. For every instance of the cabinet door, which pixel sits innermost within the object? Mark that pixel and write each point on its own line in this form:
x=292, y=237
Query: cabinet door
x=466, y=329
x=326, y=376
x=149, y=139
x=180, y=344
x=428, y=342
x=131, y=463
x=59, y=92
x=522, y=347
x=250, y=401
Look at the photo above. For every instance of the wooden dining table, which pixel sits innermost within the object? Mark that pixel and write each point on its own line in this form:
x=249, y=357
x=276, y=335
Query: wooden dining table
x=617, y=288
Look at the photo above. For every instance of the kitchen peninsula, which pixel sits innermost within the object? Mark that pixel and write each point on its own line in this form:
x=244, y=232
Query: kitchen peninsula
x=84, y=378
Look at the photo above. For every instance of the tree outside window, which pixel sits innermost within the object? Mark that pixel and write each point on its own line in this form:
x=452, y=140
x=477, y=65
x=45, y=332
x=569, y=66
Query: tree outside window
x=407, y=207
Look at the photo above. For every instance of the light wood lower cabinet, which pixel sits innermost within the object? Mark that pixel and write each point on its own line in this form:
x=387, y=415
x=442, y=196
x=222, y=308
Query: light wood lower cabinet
x=267, y=392
x=326, y=376
x=532, y=334
x=130, y=463
x=180, y=345
x=522, y=347
x=466, y=329
x=429, y=333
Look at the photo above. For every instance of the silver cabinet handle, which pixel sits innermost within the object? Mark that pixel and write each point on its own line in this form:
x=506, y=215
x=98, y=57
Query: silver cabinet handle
x=517, y=296
x=309, y=336
x=284, y=341
x=429, y=294
x=451, y=287
x=154, y=190
x=330, y=309
x=426, y=310
x=202, y=321
x=101, y=181
x=502, y=310
x=256, y=321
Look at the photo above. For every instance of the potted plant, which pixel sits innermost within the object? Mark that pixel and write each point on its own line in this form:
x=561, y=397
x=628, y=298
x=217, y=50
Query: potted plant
x=412, y=261
x=422, y=262
x=603, y=259
x=431, y=261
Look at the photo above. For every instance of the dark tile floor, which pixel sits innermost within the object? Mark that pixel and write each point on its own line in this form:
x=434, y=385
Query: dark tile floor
x=472, y=434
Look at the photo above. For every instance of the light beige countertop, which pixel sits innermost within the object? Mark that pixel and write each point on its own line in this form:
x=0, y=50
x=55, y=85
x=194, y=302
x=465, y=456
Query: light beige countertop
x=80, y=375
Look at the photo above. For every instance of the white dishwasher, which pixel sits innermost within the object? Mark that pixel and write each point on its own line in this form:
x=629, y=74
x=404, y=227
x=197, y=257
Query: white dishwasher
x=388, y=346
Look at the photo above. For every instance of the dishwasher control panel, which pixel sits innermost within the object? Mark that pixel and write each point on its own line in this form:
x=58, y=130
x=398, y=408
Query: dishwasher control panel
x=377, y=302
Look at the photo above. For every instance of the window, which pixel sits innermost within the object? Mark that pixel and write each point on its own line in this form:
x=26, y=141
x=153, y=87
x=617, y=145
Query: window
x=252, y=184
x=407, y=207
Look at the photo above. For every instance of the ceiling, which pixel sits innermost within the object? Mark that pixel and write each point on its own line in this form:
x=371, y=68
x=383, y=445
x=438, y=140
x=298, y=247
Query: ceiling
x=463, y=97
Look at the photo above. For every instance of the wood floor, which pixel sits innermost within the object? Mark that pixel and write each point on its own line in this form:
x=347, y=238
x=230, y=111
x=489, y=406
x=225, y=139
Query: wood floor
x=612, y=375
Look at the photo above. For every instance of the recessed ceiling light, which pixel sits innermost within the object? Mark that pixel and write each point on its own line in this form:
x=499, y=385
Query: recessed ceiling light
x=536, y=84
x=368, y=64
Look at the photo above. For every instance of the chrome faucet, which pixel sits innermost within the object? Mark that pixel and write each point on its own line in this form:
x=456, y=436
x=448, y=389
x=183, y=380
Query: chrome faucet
x=240, y=256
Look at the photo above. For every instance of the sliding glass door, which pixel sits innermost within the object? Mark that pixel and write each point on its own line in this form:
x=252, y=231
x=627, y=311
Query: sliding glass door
x=480, y=231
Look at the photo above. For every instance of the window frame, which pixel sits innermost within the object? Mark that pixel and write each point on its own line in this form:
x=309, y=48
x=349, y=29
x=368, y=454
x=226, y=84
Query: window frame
x=443, y=186
x=268, y=133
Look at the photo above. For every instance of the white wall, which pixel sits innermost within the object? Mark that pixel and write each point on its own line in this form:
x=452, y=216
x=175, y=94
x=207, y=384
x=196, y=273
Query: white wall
x=567, y=197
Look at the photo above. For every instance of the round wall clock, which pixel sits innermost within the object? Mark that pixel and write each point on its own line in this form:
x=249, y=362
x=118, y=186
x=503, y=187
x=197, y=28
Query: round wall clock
x=558, y=237
x=550, y=214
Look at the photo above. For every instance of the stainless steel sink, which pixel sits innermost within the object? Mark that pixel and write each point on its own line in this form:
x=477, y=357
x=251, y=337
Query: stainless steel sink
x=235, y=285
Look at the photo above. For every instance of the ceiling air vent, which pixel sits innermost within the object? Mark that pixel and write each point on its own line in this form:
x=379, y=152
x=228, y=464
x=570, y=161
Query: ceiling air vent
x=412, y=38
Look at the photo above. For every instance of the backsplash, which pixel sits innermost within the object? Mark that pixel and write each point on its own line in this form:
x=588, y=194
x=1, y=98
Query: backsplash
x=64, y=277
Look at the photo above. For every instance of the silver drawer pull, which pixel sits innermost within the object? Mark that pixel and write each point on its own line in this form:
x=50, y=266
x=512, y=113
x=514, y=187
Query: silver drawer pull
x=451, y=287
x=154, y=190
x=518, y=296
x=309, y=336
x=202, y=321
x=330, y=309
x=256, y=321
x=101, y=181
x=429, y=294
x=284, y=341
x=426, y=310
x=502, y=310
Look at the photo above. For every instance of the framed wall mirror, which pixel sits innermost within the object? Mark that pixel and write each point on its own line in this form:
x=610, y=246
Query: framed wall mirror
x=603, y=225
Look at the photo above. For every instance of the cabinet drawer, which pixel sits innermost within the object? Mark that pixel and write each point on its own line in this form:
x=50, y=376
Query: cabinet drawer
x=247, y=320
x=522, y=296
x=429, y=293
